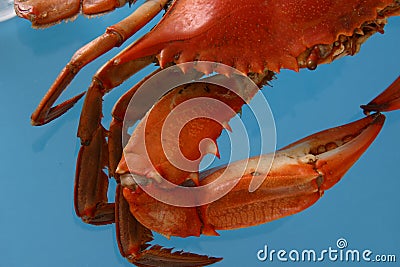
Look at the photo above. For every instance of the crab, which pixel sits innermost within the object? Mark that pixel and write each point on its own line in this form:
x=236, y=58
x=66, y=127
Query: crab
x=242, y=38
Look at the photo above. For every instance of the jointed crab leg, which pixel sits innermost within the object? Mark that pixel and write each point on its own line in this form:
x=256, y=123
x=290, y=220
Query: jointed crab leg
x=93, y=207
x=91, y=183
x=133, y=238
x=113, y=37
x=131, y=235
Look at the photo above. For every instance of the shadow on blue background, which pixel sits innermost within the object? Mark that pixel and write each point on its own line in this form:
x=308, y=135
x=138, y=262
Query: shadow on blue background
x=38, y=226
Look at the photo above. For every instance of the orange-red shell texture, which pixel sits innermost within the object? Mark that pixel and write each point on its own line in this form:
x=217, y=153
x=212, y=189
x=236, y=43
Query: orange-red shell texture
x=251, y=35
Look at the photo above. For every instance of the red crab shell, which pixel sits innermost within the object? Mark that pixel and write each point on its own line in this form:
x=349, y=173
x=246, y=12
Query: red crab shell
x=251, y=35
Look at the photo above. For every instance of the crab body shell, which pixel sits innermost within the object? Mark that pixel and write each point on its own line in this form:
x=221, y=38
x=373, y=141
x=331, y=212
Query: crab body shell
x=254, y=35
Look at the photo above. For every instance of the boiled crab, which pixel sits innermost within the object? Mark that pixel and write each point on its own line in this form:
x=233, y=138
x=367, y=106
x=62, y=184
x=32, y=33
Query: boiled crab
x=190, y=31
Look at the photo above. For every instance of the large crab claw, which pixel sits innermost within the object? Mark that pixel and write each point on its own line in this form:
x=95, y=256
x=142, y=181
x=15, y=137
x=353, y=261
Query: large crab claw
x=298, y=177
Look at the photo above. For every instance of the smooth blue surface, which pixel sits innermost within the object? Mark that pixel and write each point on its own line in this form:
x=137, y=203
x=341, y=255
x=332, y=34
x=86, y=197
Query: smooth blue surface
x=38, y=226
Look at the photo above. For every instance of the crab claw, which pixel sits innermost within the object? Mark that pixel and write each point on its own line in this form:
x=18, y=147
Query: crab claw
x=334, y=151
x=295, y=180
x=388, y=100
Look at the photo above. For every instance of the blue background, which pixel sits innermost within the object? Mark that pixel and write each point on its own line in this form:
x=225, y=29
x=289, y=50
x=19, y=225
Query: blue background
x=38, y=226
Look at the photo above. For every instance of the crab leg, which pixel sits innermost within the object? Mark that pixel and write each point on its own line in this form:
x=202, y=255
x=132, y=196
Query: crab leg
x=93, y=156
x=388, y=100
x=91, y=183
x=133, y=237
x=113, y=37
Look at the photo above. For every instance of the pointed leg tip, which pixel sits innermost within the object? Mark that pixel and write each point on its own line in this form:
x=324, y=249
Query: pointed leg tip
x=43, y=116
x=35, y=122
